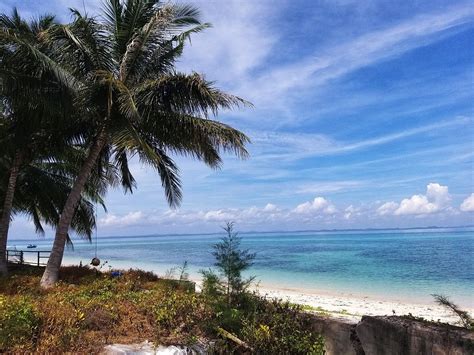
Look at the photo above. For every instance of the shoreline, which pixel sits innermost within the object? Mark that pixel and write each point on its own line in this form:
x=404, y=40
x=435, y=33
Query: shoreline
x=350, y=307
x=354, y=307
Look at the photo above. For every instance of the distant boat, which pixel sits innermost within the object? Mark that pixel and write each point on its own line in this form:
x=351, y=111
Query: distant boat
x=31, y=246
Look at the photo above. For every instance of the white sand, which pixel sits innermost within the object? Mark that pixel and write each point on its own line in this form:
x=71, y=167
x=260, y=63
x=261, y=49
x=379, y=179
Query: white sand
x=353, y=308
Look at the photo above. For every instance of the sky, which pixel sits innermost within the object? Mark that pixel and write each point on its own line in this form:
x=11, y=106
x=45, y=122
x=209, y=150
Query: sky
x=362, y=118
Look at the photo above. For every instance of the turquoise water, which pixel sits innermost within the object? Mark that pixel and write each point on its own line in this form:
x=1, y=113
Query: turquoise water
x=402, y=264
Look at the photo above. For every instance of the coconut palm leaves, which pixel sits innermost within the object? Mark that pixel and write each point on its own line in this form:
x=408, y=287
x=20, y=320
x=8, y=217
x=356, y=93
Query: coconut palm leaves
x=117, y=73
x=40, y=133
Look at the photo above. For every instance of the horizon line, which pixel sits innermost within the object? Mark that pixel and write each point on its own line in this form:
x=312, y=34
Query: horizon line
x=272, y=231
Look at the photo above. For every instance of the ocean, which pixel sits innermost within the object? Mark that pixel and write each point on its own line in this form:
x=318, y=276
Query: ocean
x=405, y=265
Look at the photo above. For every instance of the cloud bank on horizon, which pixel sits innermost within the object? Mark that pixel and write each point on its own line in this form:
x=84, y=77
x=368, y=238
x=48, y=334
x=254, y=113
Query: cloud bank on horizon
x=363, y=117
x=317, y=213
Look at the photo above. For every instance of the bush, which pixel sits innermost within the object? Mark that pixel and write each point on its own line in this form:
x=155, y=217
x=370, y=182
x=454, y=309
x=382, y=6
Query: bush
x=62, y=322
x=274, y=327
x=178, y=313
x=19, y=323
x=95, y=309
x=280, y=327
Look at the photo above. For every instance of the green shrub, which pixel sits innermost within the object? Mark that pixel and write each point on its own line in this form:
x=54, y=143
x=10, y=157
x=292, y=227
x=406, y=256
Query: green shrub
x=19, y=323
x=81, y=317
x=62, y=324
x=280, y=327
x=179, y=314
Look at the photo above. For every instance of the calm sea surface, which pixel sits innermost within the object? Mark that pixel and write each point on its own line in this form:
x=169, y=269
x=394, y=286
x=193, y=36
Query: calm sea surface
x=402, y=264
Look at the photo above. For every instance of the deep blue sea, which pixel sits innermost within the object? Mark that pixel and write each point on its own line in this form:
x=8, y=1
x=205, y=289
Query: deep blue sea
x=400, y=264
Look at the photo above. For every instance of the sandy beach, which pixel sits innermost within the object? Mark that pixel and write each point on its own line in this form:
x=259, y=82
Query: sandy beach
x=353, y=307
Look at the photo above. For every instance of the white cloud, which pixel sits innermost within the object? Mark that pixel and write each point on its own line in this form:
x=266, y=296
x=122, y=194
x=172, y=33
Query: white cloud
x=468, y=204
x=318, y=213
x=437, y=199
x=221, y=215
x=270, y=207
x=351, y=212
x=131, y=218
x=251, y=215
x=387, y=208
x=329, y=186
x=438, y=194
x=238, y=41
x=417, y=204
x=319, y=204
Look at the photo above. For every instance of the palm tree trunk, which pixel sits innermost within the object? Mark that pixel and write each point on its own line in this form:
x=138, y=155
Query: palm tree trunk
x=51, y=272
x=7, y=209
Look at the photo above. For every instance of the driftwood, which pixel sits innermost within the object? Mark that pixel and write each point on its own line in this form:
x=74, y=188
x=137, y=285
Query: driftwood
x=232, y=337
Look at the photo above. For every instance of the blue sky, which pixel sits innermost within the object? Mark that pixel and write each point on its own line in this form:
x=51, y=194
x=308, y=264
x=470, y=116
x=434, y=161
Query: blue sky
x=363, y=117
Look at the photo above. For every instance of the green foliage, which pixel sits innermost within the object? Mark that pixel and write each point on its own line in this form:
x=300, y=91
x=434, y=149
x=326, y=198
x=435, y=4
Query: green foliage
x=106, y=86
x=231, y=261
x=211, y=285
x=279, y=327
x=177, y=311
x=83, y=313
x=266, y=327
x=465, y=318
x=19, y=323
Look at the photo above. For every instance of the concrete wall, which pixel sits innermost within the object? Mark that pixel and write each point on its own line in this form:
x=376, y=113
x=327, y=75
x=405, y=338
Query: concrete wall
x=392, y=336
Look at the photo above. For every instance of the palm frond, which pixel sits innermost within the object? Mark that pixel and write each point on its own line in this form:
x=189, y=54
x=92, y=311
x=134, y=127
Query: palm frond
x=24, y=54
x=157, y=23
x=185, y=94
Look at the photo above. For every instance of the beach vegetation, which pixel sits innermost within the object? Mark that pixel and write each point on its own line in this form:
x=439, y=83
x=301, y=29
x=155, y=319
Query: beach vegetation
x=231, y=261
x=88, y=310
x=275, y=326
x=465, y=319
x=245, y=319
x=19, y=322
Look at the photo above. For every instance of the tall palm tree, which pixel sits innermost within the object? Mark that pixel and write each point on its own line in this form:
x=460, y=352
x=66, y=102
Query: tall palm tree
x=40, y=136
x=134, y=100
x=21, y=109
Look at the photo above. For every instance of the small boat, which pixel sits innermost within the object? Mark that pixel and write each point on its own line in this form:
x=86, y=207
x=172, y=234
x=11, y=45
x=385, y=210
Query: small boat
x=31, y=246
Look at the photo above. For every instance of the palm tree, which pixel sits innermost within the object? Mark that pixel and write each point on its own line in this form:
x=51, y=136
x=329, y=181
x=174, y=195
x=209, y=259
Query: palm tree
x=20, y=108
x=134, y=100
x=41, y=190
x=39, y=135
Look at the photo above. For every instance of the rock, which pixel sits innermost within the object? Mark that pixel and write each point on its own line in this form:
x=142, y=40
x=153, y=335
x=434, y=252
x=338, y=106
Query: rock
x=399, y=335
x=338, y=334
x=392, y=335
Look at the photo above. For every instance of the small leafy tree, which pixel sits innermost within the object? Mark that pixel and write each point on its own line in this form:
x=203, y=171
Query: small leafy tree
x=231, y=261
x=211, y=285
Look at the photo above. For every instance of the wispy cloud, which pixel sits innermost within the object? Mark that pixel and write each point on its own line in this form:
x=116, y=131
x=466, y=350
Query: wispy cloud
x=329, y=186
x=300, y=145
x=353, y=103
x=279, y=83
x=238, y=42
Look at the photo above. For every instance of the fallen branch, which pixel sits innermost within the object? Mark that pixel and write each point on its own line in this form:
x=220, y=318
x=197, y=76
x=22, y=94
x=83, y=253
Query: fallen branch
x=232, y=337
